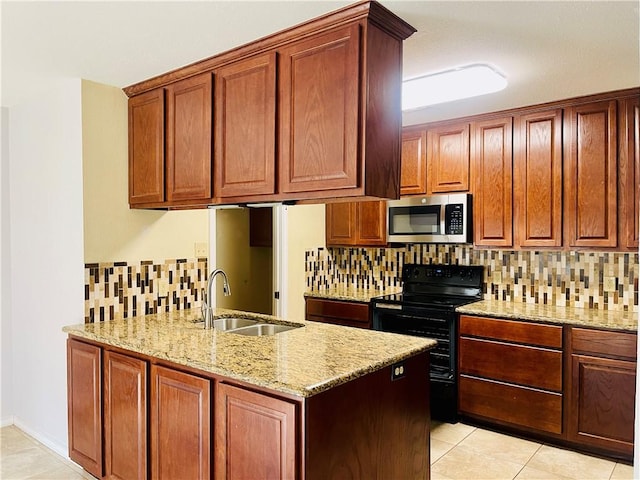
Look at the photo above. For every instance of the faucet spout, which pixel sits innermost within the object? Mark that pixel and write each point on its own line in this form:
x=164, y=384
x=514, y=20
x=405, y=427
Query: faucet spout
x=226, y=289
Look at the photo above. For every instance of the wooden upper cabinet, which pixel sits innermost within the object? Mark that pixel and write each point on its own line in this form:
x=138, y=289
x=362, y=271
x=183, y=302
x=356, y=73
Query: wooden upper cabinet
x=629, y=168
x=146, y=148
x=319, y=112
x=538, y=179
x=84, y=401
x=189, y=139
x=448, y=158
x=413, y=168
x=356, y=223
x=493, y=166
x=591, y=175
x=245, y=127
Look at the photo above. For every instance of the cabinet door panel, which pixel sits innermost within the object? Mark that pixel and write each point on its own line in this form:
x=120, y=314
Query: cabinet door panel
x=146, y=147
x=591, y=175
x=125, y=416
x=351, y=314
x=341, y=223
x=602, y=403
x=538, y=179
x=413, y=167
x=319, y=110
x=84, y=400
x=189, y=139
x=255, y=435
x=372, y=223
x=246, y=127
x=448, y=159
x=180, y=425
x=629, y=168
x=492, y=206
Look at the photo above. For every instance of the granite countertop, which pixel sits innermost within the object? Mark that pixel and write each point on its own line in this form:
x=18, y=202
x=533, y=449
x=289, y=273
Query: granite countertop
x=350, y=293
x=303, y=361
x=585, y=317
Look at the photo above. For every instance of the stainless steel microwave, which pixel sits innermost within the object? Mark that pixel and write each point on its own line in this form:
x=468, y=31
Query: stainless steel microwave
x=430, y=219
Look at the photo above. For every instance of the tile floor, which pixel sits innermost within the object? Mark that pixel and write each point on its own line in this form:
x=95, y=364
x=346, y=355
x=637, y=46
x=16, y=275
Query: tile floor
x=464, y=452
x=457, y=452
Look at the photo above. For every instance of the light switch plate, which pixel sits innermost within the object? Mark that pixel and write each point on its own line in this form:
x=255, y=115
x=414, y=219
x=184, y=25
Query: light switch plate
x=163, y=287
x=496, y=277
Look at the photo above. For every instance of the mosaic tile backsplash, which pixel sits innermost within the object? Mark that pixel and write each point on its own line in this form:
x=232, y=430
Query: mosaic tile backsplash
x=123, y=290
x=557, y=278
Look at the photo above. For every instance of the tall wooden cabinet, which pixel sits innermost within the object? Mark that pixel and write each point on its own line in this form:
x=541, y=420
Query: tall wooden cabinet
x=180, y=425
x=591, y=180
x=256, y=435
x=537, y=179
x=125, y=417
x=84, y=400
x=492, y=154
x=448, y=158
x=146, y=148
x=629, y=168
x=356, y=223
x=413, y=163
x=188, y=139
x=245, y=127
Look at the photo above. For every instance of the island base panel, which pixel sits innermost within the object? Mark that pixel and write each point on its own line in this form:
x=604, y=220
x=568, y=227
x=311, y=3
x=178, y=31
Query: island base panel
x=374, y=427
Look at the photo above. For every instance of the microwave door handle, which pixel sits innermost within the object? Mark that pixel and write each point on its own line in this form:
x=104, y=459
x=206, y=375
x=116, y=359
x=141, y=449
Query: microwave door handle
x=442, y=218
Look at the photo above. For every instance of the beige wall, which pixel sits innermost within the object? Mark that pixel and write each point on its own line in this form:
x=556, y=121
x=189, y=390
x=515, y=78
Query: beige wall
x=249, y=268
x=305, y=225
x=112, y=231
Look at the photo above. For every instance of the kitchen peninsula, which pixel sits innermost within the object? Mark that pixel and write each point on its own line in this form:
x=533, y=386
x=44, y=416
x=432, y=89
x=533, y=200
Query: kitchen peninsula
x=316, y=401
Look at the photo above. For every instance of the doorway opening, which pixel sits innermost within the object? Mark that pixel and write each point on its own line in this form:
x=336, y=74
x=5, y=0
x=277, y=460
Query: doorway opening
x=247, y=243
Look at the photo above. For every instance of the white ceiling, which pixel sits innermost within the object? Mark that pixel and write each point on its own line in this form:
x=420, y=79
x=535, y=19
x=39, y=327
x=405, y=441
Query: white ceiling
x=548, y=50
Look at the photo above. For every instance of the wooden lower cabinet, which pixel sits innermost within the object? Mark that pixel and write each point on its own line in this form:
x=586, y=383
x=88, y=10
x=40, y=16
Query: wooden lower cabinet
x=255, y=435
x=574, y=386
x=125, y=417
x=338, y=312
x=84, y=401
x=601, y=396
x=506, y=367
x=180, y=425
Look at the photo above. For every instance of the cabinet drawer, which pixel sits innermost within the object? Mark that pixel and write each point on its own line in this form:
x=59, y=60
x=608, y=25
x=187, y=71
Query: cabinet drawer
x=521, y=406
x=512, y=331
x=524, y=365
x=336, y=311
x=617, y=344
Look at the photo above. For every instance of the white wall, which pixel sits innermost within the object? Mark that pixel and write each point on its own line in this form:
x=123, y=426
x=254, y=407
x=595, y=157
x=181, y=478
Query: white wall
x=6, y=375
x=46, y=255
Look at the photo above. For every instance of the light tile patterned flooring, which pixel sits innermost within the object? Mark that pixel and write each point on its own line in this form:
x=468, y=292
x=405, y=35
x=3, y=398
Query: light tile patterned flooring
x=464, y=452
x=458, y=452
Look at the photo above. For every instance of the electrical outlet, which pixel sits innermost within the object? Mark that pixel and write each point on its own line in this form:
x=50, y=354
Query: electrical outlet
x=163, y=287
x=496, y=277
x=201, y=249
x=610, y=284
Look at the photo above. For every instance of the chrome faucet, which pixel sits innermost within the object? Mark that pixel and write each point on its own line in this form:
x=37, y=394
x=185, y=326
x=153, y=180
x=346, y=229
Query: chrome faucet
x=207, y=310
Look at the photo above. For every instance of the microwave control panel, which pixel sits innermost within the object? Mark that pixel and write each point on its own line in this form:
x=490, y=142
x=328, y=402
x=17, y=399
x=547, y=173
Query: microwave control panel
x=453, y=219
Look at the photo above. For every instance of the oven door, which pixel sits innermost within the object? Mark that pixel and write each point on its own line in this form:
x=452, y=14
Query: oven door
x=439, y=325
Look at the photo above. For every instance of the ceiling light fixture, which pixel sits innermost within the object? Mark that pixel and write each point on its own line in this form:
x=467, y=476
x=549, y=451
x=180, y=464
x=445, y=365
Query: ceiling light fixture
x=455, y=84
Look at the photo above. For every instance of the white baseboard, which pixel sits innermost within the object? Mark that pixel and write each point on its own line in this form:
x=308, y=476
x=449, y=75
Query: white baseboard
x=43, y=439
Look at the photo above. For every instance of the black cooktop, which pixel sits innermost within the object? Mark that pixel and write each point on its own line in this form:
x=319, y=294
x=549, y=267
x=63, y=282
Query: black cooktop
x=446, y=286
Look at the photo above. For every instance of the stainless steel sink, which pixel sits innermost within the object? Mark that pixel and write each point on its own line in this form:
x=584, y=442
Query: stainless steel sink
x=262, y=329
x=232, y=323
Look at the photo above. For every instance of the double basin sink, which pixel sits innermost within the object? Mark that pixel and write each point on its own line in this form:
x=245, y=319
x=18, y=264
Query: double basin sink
x=246, y=326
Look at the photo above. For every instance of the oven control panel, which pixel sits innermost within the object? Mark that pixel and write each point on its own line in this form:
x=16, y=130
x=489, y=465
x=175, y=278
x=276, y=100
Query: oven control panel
x=448, y=274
